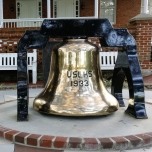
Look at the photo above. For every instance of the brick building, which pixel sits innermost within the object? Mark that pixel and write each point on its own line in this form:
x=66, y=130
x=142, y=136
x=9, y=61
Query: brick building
x=135, y=15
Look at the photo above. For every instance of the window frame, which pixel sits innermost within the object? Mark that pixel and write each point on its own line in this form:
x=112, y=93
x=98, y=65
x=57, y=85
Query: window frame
x=115, y=8
x=149, y=7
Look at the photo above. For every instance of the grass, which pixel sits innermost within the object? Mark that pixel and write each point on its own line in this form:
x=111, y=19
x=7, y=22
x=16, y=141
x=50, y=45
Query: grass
x=108, y=83
x=1, y=86
x=11, y=87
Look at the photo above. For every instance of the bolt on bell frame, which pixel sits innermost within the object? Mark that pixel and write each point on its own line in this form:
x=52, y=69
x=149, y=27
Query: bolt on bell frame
x=81, y=28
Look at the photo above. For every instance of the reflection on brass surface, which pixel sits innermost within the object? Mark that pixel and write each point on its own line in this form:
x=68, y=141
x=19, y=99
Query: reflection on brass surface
x=75, y=86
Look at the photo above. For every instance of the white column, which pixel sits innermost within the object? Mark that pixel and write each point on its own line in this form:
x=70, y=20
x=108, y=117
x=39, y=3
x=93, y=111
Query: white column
x=48, y=9
x=96, y=5
x=146, y=6
x=1, y=13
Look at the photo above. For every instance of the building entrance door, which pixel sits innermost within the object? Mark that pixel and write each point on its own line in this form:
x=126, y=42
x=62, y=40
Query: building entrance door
x=65, y=8
x=28, y=8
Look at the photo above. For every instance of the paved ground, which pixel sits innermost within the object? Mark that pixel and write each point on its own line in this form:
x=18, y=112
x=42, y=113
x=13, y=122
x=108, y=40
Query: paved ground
x=128, y=124
x=74, y=126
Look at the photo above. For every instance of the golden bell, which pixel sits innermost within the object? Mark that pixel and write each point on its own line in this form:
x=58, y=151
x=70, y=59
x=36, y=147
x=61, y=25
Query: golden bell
x=75, y=86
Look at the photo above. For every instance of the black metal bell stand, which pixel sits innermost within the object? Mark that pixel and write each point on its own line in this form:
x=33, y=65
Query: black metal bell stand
x=82, y=28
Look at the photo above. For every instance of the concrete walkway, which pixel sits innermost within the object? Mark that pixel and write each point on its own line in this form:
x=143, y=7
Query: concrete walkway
x=117, y=124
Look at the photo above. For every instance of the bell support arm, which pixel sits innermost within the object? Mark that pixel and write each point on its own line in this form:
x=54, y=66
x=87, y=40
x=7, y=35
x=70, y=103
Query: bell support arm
x=121, y=38
x=30, y=40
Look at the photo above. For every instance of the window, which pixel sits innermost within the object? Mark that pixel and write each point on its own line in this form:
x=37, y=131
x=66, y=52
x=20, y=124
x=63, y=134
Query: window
x=149, y=11
x=108, y=9
x=18, y=9
x=150, y=6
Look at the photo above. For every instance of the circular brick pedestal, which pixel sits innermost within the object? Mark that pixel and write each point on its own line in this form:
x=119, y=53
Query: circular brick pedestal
x=117, y=131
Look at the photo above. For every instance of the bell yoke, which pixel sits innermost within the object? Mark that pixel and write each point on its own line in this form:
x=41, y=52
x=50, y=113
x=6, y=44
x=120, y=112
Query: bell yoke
x=75, y=86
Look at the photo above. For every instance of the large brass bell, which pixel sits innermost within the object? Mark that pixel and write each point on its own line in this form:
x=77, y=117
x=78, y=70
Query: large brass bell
x=75, y=86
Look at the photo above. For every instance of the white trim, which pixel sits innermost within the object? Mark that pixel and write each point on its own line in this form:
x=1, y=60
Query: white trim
x=146, y=6
x=1, y=13
x=26, y=22
x=107, y=60
x=96, y=6
x=32, y=22
x=115, y=15
x=48, y=9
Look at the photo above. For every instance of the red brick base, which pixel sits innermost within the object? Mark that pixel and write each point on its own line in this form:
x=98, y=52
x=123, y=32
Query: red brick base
x=21, y=148
x=31, y=142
